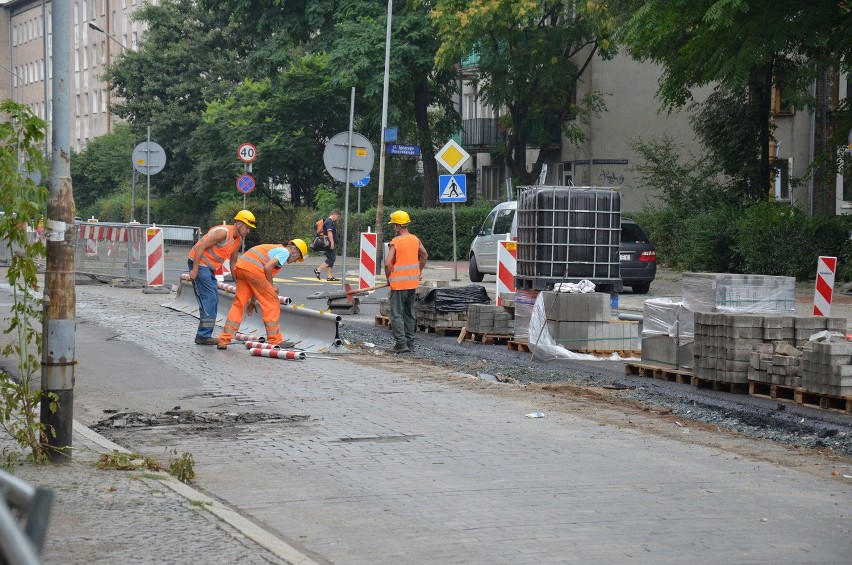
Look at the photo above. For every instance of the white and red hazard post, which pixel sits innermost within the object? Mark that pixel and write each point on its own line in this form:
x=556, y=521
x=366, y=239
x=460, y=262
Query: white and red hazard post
x=507, y=256
x=826, y=267
x=367, y=269
x=155, y=275
x=223, y=271
x=91, y=233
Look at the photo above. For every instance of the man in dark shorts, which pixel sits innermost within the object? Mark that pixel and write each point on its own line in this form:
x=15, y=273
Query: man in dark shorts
x=329, y=229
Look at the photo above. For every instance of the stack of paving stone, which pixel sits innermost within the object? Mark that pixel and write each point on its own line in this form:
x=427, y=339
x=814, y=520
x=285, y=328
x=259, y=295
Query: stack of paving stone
x=827, y=369
x=667, y=333
x=582, y=322
x=781, y=366
x=724, y=344
x=725, y=292
x=490, y=319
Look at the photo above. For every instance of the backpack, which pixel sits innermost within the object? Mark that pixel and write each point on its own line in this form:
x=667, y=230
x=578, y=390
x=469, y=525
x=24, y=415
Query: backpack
x=319, y=224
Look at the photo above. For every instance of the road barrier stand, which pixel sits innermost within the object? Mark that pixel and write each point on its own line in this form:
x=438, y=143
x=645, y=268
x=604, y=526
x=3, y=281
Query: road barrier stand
x=507, y=254
x=824, y=290
x=367, y=268
x=155, y=262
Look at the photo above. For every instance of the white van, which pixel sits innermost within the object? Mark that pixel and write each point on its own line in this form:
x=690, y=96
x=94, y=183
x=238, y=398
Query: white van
x=500, y=224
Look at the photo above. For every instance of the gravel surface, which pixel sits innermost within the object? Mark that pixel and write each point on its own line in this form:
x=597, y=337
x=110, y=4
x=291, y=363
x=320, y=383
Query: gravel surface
x=786, y=423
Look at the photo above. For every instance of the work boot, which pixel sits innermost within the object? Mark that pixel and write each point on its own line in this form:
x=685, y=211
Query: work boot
x=206, y=341
x=400, y=348
x=221, y=346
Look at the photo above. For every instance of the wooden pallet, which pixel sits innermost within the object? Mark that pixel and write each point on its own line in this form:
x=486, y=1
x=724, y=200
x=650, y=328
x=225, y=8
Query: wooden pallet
x=383, y=321
x=486, y=338
x=680, y=376
x=441, y=331
x=771, y=391
x=518, y=346
x=609, y=352
x=733, y=388
x=825, y=401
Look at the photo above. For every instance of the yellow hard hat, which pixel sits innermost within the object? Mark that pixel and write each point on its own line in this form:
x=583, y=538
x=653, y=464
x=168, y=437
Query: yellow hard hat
x=400, y=217
x=245, y=217
x=301, y=245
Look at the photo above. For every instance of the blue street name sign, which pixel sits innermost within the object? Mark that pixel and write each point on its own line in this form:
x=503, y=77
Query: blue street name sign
x=452, y=188
x=391, y=134
x=410, y=150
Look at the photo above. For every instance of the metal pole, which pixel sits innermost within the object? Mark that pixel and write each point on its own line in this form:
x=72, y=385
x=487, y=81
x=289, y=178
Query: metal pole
x=46, y=74
x=455, y=247
x=348, y=172
x=57, y=366
x=148, y=175
x=380, y=201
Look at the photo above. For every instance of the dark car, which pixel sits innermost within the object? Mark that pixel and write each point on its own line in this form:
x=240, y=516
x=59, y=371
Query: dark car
x=638, y=260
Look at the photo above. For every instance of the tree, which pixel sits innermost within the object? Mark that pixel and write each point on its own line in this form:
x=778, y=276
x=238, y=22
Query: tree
x=289, y=117
x=188, y=57
x=103, y=167
x=746, y=46
x=531, y=55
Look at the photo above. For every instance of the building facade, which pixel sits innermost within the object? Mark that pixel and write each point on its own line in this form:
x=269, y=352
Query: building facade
x=26, y=33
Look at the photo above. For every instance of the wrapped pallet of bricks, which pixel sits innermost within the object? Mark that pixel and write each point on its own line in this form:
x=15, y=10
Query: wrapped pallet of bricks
x=490, y=319
x=582, y=322
x=667, y=333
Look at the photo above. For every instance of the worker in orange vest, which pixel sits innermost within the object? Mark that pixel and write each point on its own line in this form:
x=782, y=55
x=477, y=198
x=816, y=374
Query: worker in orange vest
x=254, y=273
x=404, y=265
x=221, y=243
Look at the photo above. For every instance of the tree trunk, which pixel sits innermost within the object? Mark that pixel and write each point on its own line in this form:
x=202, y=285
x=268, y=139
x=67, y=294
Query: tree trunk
x=764, y=101
x=427, y=151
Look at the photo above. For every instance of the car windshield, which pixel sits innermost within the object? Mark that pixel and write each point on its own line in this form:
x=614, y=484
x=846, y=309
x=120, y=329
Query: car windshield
x=632, y=232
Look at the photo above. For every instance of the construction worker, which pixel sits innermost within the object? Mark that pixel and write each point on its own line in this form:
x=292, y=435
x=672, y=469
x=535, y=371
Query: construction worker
x=219, y=244
x=404, y=265
x=254, y=273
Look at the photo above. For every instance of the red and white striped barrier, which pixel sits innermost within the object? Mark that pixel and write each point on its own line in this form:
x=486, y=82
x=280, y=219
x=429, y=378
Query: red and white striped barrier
x=261, y=345
x=367, y=270
x=248, y=337
x=507, y=255
x=134, y=236
x=826, y=267
x=223, y=271
x=155, y=275
x=278, y=354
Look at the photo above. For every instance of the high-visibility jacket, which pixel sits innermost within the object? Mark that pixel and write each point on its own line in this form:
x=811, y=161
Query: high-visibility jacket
x=257, y=257
x=406, y=265
x=213, y=257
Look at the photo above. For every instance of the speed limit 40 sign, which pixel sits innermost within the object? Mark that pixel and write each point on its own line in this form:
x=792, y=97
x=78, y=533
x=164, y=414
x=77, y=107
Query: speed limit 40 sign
x=247, y=152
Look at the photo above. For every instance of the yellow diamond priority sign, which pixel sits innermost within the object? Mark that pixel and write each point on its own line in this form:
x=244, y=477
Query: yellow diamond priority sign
x=452, y=156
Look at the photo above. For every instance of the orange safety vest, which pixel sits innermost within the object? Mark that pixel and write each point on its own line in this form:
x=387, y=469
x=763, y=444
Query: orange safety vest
x=214, y=256
x=406, y=265
x=255, y=258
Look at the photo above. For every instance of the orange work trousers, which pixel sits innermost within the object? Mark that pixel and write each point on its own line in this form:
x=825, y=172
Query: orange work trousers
x=251, y=284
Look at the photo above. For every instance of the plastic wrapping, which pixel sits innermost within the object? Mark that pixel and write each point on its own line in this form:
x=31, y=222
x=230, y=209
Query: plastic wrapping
x=524, y=301
x=455, y=299
x=663, y=316
x=542, y=344
x=715, y=292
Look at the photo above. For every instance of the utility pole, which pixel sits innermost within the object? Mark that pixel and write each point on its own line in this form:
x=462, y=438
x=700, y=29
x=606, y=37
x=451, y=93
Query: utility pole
x=57, y=359
x=380, y=202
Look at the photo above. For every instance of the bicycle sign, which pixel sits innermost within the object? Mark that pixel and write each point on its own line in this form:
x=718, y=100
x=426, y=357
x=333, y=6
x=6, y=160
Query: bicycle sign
x=247, y=152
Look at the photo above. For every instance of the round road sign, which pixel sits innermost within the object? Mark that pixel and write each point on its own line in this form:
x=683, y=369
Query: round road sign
x=245, y=184
x=337, y=153
x=149, y=158
x=247, y=152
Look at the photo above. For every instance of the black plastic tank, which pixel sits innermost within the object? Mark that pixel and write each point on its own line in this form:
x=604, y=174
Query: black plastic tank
x=567, y=234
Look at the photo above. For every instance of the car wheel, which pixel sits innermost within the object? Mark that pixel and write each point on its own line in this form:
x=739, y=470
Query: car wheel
x=473, y=270
x=641, y=288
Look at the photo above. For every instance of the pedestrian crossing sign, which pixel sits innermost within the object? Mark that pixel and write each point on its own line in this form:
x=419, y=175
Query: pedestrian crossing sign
x=452, y=188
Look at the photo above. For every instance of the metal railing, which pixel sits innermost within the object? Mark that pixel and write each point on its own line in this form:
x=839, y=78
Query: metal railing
x=33, y=505
x=117, y=250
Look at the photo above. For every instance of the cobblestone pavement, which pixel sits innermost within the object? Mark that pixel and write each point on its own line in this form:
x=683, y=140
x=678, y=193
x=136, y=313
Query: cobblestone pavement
x=372, y=459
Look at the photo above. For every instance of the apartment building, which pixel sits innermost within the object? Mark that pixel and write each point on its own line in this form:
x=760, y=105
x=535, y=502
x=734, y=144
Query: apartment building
x=606, y=157
x=100, y=30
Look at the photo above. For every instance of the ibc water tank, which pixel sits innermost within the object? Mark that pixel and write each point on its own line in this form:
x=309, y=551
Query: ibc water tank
x=567, y=234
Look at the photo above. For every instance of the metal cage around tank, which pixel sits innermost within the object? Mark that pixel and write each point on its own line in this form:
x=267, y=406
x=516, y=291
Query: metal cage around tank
x=568, y=234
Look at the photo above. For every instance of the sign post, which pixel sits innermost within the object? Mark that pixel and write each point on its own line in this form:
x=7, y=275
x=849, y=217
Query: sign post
x=452, y=188
x=149, y=159
x=246, y=153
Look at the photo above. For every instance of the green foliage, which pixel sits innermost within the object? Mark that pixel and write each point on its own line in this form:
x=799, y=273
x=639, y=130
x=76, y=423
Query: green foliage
x=434, y=227
x=103, y=168
x=22, y=203
x=701, y=227
x=183, y=468
x=774, y=239
x=123, y=461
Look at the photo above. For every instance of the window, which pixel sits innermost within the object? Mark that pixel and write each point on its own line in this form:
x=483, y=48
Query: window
x=103, y=101
x=565, y=173
x=469, y=112
x=135, y=41
x=503, y=223
x=488, y=224
x=490, y=183
x=85, y=57
x=94, y=101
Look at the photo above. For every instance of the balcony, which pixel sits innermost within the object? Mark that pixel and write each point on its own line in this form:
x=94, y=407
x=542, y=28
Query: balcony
x=481, y=132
